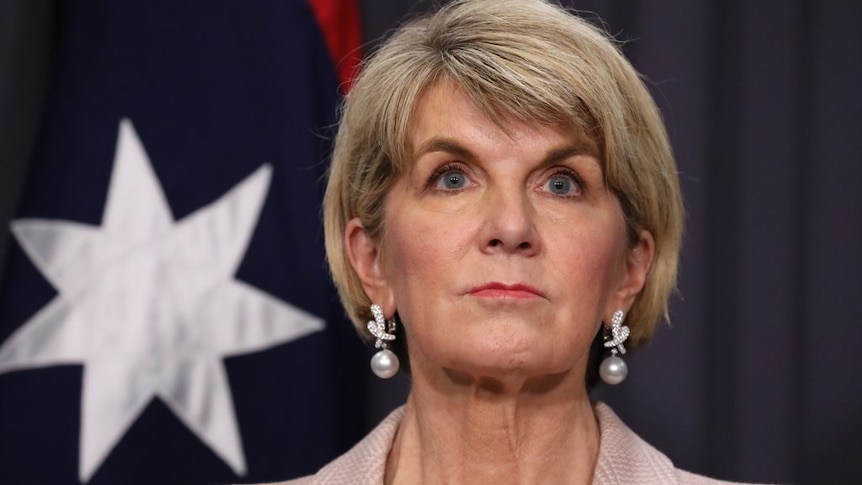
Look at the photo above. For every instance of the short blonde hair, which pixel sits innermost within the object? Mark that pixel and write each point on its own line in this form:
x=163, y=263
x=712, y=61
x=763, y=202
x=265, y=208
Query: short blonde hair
x=530, y=60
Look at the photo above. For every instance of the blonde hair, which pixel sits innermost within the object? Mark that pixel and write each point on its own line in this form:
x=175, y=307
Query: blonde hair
x=530, y=60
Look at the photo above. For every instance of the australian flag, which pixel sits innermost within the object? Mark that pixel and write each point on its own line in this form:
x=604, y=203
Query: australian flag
x=166, y=314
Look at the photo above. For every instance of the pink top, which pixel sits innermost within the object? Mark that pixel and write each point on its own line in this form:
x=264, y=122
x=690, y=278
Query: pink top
x=624, y=458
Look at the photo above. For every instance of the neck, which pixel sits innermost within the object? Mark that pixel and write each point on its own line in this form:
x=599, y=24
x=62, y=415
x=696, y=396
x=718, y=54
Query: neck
x=501, y=430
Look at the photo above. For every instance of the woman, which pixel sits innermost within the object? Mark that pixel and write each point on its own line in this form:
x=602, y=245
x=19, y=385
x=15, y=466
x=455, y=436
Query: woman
x=502, y=214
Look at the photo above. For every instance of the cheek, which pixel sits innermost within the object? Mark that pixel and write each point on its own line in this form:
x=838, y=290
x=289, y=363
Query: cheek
x=424, y=255
x=601, y=262
x=418, y=246
x=590, y=260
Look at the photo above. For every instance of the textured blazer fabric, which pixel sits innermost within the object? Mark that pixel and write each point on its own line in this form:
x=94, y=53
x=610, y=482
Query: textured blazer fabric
x=624, y=458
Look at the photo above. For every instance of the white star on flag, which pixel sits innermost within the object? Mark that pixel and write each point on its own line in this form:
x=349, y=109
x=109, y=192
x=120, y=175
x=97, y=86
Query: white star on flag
x=150, y=307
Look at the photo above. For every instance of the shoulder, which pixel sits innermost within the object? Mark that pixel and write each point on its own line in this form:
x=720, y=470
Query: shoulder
x=364, y=464
x=625, y=458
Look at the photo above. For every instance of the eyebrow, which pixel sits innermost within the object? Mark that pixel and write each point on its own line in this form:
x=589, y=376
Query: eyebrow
x=449, y=145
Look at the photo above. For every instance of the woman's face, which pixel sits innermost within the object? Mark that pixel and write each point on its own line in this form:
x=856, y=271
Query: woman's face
x=502, y=250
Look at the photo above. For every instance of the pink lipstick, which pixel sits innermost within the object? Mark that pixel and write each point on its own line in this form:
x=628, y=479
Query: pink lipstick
x=500, y=290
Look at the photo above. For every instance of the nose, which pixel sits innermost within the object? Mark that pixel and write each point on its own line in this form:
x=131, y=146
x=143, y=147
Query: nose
x=509, y=224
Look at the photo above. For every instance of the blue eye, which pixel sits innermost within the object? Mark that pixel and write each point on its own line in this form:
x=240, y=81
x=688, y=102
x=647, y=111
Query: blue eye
x=452, y=179
x=563, y=185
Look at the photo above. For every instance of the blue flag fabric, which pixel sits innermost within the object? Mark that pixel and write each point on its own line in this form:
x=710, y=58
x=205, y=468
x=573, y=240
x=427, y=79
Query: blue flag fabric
x=166, y=315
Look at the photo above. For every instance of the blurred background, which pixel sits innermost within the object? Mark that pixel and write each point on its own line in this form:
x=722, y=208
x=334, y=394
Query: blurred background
x=756, y=379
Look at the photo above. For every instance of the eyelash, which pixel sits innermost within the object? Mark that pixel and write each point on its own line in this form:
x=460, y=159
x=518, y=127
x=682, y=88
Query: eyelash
x=435, y=177
x=578, y=180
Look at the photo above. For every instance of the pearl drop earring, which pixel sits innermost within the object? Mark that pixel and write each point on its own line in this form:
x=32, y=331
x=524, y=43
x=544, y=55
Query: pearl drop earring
x=613, y=369
x=385, y=363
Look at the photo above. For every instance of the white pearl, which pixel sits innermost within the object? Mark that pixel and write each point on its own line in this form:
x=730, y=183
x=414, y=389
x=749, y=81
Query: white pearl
x=384, y=364
x=613, y=370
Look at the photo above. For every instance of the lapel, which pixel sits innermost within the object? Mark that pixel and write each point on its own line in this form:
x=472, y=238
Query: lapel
x=624, y=457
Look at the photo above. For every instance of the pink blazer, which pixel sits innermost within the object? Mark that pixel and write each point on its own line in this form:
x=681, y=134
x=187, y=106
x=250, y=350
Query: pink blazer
x=624, y=458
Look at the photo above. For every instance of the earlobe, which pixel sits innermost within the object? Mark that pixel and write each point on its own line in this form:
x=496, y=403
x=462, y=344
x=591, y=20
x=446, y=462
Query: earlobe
x=363, y=252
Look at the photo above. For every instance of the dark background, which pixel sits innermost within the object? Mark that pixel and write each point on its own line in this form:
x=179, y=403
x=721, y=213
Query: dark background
x=758, y=377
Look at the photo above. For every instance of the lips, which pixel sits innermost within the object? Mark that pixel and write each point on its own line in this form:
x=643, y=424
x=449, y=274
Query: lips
x=500, y=290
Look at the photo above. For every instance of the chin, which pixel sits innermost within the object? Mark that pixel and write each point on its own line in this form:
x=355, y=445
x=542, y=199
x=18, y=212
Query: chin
x=508, y=364
x=499, y=351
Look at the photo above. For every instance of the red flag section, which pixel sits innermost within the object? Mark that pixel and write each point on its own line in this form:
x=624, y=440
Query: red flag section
x=339, y=21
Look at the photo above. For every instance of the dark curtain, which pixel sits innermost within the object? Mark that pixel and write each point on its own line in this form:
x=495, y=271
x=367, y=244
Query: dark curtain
x=26, y=38
x=756, y=377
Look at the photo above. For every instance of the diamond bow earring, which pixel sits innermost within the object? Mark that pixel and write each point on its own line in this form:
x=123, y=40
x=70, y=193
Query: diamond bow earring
x=384, y=363
x=614, y=369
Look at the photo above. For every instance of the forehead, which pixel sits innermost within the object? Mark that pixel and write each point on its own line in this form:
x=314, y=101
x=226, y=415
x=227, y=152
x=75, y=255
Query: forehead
x=445, y=111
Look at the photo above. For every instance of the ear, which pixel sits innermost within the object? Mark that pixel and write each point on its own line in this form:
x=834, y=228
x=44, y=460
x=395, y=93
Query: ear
x=639, y=259
x=363, y=252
